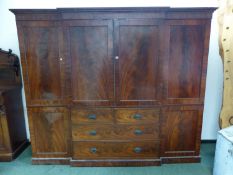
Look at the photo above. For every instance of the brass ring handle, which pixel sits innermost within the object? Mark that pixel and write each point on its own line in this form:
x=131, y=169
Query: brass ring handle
x=93, y=132
x=93, y=150
x=91, y=116
x=137, y=149
x=138, y=132
x=137, y=116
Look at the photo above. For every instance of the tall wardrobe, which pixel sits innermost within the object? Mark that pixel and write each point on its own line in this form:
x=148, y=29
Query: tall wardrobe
x=114, y=86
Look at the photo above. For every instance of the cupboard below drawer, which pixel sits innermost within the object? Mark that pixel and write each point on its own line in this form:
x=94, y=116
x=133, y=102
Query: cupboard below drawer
x=98, y=150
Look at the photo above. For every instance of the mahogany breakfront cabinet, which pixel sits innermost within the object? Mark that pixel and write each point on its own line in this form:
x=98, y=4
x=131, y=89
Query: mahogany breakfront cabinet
x=114, y=86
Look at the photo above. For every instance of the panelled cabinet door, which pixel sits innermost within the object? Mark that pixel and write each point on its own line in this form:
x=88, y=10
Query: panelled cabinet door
x=137, y=61
x=186, y=58
x=49, y=131
x=90, y=44
x=180, y=132
x=42, y=62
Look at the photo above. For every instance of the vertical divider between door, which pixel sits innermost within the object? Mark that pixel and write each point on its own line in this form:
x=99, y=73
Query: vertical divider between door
x=116, y=61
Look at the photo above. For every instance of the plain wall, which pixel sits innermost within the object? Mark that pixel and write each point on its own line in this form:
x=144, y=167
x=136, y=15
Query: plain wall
x=213, y=98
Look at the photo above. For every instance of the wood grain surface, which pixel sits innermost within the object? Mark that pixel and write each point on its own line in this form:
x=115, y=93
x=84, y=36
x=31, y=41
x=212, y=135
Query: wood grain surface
x=101, y=150
x=49, y=131
x=125, y=84
x=115, y=132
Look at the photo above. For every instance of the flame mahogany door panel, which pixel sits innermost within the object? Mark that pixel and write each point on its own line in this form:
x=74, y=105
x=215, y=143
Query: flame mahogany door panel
x=43, y=63
x=180, y=131
x=90, y=50
x=185, y=61
x=137, y=61
x=49, y=131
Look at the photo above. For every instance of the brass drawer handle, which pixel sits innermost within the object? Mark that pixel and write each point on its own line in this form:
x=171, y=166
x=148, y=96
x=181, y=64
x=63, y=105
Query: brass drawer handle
x=93, y=150
x=138, y=132
x=92, y=116
x=137, y=116
x=137, y=149
x=93, y=132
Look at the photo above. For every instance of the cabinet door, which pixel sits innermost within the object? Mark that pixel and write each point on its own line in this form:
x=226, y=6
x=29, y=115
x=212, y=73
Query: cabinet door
x=49, y=131
x=180, y=131
x=42, y=62
x=90, y=45
x=137, y=61
x=186, y=61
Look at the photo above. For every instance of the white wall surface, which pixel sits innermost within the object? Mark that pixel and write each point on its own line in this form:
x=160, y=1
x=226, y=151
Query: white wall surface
x=213, y=98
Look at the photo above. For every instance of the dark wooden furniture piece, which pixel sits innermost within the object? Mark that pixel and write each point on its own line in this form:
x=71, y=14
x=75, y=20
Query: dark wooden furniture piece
x=13, y=138
x=114, y=86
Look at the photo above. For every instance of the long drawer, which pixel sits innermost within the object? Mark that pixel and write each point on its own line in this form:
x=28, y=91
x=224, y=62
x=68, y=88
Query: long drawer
x=101, y=150
x=115, y=132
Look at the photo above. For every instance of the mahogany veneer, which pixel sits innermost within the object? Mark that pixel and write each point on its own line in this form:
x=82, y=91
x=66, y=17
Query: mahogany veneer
x=114, y=86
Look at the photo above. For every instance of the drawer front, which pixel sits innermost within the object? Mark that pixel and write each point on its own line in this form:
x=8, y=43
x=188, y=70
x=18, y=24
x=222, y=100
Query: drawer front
x=92, y=132
x=115, y=132
x=137, y=132
x=91, y=115
x=137, y=115
x=98, y=150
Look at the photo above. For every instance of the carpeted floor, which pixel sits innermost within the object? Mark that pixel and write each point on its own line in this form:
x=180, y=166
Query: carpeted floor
x=22, y=166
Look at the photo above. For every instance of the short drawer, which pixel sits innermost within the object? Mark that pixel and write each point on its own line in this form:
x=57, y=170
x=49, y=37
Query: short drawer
x=137, y=115
x=92, y=132
x=91, y=115
x=115, y=132
x=98, y=150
